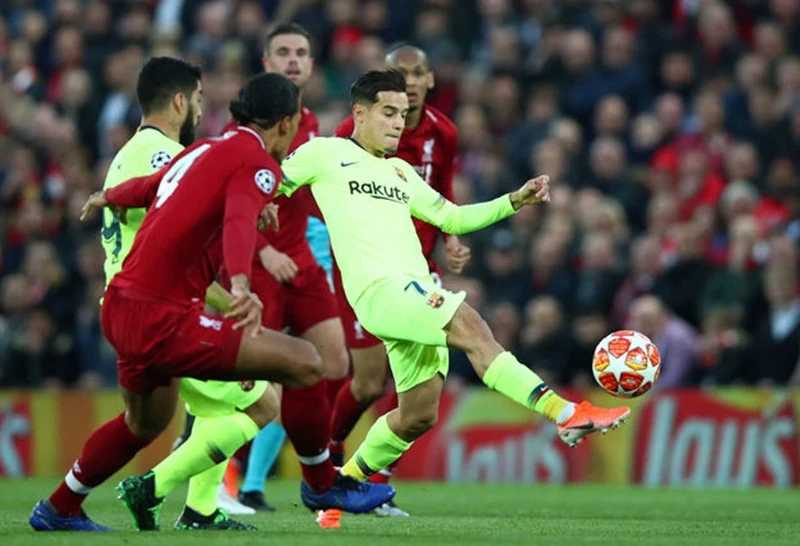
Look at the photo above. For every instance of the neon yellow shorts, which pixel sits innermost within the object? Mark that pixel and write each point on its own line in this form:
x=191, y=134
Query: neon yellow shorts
x=218, y=398
x=409, y=314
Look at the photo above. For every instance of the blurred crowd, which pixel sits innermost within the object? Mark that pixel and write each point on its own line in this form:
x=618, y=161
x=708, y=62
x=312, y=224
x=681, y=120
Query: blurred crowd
x=670, y=130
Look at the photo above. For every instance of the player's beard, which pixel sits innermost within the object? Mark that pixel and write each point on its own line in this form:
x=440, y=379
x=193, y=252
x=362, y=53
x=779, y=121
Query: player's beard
x=187, y=134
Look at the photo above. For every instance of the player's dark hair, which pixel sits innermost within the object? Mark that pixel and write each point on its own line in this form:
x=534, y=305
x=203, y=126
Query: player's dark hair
x=283, y=29
x=366, y=88
x=265, y=100
x=161, y=78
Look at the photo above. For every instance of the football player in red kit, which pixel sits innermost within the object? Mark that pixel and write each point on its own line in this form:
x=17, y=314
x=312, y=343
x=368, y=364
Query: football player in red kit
x=296, y=294
x=429, y=143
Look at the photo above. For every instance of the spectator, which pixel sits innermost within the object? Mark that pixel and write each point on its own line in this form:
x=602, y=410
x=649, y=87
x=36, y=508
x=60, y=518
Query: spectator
x=778, y=336
x=675, y=338
x=545, y=340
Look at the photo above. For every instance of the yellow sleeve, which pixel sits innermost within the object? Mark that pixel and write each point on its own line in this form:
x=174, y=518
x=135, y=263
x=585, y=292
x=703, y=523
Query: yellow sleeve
x=430, y=206
x=301, y=166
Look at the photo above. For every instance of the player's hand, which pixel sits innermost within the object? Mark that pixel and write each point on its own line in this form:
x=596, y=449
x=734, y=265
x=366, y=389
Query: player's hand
x=534, y=191
x=97, y=201
x=279, y=265
x=458, y=255
x=269, y=217
x=246, y=307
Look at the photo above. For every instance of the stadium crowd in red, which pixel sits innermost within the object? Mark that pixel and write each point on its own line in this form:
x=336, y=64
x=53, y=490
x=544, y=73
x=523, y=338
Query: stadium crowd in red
x=670, y=130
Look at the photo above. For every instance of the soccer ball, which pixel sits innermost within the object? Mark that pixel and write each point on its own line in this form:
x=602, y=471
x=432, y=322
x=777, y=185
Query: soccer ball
x=626, y=363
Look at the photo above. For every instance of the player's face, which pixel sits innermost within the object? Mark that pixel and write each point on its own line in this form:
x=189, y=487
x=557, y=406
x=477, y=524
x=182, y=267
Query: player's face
x=385, y=120
x=419, y=79
x=194, y=111
x=290, y=55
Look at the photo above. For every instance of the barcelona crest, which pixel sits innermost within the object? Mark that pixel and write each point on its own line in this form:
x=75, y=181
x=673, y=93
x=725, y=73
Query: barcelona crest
x=436, y=300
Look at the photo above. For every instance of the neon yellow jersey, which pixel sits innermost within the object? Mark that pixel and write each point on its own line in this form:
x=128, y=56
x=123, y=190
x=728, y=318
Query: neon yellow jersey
x=146, y=152
x=367, y=203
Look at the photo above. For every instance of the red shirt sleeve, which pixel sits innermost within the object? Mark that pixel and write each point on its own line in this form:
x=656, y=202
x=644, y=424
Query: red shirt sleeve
x=250, y=189
x=137, y=192
x=345, y=128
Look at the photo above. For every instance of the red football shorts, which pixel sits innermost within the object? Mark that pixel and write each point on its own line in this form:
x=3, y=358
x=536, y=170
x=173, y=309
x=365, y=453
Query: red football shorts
x=357, y=337
x=157, y=341
x=300, y=304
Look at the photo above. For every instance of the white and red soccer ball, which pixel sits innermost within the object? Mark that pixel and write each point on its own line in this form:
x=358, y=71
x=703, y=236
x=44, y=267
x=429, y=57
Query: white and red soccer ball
x=626, y=363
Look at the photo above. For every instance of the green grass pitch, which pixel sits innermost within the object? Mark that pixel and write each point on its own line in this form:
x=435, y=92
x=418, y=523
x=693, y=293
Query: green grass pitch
x=457, y=514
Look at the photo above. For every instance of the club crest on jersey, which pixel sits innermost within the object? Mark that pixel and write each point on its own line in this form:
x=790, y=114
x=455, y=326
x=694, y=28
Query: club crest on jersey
x=436, y=300
x=399, y=172
x=265, y=181
x=247, y=385
x=427, y=150
x=160, y=159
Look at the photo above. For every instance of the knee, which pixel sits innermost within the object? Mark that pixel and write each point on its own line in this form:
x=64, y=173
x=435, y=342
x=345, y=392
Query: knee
x=145, y=428
x=338, y=363
x=308, y=365
x=419, y=422
x=368, y=389
x=468, y=331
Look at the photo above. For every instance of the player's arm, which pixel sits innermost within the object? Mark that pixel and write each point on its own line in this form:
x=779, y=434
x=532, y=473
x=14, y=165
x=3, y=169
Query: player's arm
x=247, y=193
x=300, y=167
x=430, y=206
x=138, y=192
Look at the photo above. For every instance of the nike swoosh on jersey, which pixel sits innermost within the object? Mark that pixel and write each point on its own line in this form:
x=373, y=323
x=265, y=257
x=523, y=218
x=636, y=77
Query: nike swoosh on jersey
x=348, y=164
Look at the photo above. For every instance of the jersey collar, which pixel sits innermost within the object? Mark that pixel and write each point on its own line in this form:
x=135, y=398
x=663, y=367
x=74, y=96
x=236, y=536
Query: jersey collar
x=153, y=127
x=249, y=130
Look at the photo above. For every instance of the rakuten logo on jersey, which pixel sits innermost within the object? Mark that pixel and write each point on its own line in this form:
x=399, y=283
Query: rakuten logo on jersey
x=695, y=439
x=378, y=191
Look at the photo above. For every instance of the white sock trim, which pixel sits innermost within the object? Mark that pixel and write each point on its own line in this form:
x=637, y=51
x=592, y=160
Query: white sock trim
x=385, y=472
x=75, y=486
x=316, y=459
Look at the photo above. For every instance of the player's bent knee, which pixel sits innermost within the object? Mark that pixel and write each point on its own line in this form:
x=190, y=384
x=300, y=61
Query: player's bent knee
x=420, y=422
x=368, y=389
x=338, y=365
x=309, y=367
x=145, y=429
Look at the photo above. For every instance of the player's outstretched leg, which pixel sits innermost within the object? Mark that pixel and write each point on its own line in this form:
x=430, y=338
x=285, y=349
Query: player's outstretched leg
x=501, y=371
x=106, y=451
x=213, y=441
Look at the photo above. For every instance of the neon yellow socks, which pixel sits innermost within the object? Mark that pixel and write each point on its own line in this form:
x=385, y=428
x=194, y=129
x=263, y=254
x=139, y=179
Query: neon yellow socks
x=508, y=376
x=202, y=494
x=213, y=440
x=379, y=449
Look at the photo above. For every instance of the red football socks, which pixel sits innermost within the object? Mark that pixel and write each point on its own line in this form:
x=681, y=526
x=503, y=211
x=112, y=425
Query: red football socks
x=106, y=451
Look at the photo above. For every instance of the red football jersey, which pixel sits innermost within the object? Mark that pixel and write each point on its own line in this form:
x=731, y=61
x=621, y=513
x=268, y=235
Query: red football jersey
x=211, y=193
x=431, y=149
x=293, y=213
